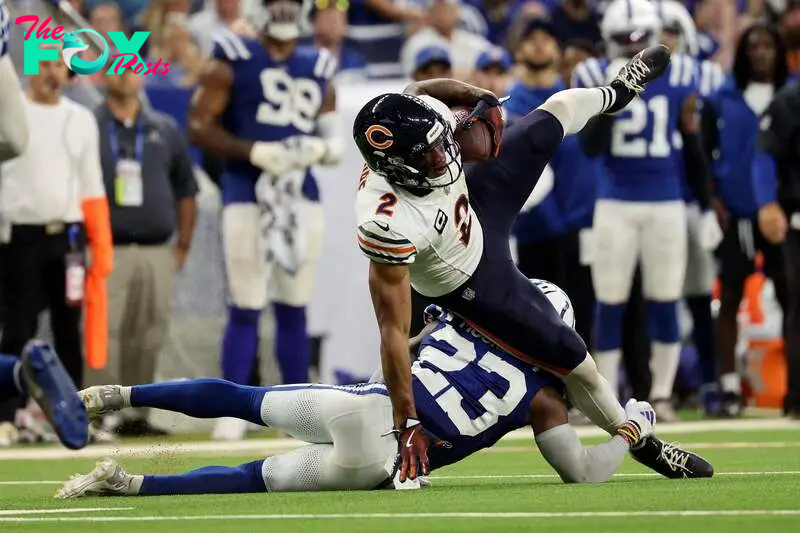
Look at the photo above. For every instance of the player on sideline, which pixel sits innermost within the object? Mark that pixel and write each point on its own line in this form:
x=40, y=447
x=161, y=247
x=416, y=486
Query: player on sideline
x=268, y=107
x=482, y=393
x=640, y=216
x=423, y=222
x=13, y=123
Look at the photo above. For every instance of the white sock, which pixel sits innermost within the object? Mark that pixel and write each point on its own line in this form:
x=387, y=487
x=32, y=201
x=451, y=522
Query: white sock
x=731, y=382
x=125, y=392
x=574, y=107
x=590, y=392
x=664, y=365
x=608, y=365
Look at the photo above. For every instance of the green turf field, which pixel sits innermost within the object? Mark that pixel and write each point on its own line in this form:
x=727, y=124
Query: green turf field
x=509, y=488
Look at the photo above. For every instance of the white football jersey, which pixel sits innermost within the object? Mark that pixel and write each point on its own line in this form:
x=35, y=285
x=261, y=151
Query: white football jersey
x=437, y=235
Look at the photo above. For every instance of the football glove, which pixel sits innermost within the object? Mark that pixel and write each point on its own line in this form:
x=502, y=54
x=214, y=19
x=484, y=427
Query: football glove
x=640, y=423
x=413, y=443
x=306, y=150
x=488, y=110
x=710, y=231
x=274, y=158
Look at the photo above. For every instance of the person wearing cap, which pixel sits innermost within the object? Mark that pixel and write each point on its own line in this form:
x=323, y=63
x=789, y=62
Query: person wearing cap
x=492, y=69
x=330, y=30
x=548, y=231
x=432, y=62
x=463, y=46
x=576, y=19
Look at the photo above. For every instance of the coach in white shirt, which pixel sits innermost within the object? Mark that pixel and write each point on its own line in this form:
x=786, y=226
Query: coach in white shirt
x=51, y=200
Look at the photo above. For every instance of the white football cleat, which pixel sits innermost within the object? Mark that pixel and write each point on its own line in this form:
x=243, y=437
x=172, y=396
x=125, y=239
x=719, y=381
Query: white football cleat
x=107, y=477
x=101, y=400
x=229, y=429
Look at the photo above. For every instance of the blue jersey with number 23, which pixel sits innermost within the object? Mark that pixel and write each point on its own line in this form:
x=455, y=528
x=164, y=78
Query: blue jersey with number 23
x=469, y=392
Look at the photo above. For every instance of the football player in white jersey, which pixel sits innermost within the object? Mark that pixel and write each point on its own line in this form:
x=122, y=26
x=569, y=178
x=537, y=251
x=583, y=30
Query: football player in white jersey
x=349, y=427
x=424, y=221
x=13, y=124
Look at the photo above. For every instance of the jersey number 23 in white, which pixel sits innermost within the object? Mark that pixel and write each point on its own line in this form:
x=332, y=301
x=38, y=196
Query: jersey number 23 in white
x=450, y=399
x=289, y=101
x=628, y=136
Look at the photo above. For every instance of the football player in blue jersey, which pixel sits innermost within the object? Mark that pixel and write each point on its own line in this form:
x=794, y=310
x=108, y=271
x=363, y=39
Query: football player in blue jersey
x=13, y=123
x=267, y=106
x=705, y=234
x=640, y=215
x=468, y=391
x=731, y=118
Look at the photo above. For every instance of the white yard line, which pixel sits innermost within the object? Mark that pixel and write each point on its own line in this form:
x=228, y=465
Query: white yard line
x=260, y=447
x=435, y=477
x=13, y=512
x=393, y=516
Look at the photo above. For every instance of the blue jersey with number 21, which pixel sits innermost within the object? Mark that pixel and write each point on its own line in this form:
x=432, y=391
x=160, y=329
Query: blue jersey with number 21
x=269, y=100
x=469, y=392
x=644, y=160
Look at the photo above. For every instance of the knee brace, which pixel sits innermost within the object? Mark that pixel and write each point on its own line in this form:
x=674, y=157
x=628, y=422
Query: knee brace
x=608, y=326
x=662, y=321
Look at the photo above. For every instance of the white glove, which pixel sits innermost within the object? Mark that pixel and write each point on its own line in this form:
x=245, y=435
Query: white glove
x=274, y=158
x=307, y=150
x=710, y=232
x=643, y=415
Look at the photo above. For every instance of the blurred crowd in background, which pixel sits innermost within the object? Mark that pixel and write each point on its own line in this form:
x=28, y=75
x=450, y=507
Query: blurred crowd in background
x=485, y=42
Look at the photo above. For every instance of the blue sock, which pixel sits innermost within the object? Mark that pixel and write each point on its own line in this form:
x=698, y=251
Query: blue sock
x=202, y=398
x=608, y=326
x=292, y=348
x=240, y=344
x=208, y=480
x=9, y=388
x=662, y=321
x=703, y=337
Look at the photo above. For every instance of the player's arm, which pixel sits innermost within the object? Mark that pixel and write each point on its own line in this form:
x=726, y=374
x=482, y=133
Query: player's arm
x=451, y=92
x=208, y=104
x=562, y=449
x=390, y=288
x=330, y=128
x=13, y=120
x=698, y=173
x=709, y=136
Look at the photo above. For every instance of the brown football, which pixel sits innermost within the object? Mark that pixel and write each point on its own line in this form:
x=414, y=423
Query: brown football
x=475, y=142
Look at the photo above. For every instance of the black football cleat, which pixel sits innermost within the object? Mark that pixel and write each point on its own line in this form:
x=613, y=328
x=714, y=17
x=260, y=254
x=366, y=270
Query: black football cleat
x=671, y=461
x=643, y=68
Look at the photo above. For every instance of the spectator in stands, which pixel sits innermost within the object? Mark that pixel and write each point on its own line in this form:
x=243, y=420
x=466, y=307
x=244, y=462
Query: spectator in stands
x=179, y=50
x=492, y=70
x=106, y=17
x=330, y=29
x=151, y=189
x=154, y=18
x=130, y=9
x=221, y=15
x=730, y=128
x=576, y=19
x=52, y=201
x=498, y=15
x=575, y=51
x=378, y=30
x=432, y=62
x=442, y=30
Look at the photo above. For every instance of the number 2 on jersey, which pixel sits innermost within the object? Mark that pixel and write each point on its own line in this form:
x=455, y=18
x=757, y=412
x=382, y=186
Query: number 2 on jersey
x=288, y=101
x=628, y=137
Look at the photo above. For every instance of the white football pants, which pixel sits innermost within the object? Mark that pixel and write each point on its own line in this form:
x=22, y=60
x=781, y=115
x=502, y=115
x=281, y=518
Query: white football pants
x=653, y=233
x=349, y=431
x=246, y=268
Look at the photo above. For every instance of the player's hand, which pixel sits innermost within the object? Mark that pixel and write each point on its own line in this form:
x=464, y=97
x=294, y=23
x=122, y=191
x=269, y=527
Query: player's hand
x=488, y=110
x=640, y=424
x=710, y=232
x=307, y=150
x=274, y=158
x=772, y=223
x=413, y=444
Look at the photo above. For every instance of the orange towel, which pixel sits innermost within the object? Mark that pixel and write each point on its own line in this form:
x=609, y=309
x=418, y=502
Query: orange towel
x=98, y=230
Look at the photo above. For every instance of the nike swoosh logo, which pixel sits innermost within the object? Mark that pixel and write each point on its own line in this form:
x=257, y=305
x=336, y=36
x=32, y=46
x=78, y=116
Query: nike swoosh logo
x=384, y=227
x=408, y=442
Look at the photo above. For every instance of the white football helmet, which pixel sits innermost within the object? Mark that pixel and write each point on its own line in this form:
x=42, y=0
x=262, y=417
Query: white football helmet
x=676, y=17
x=558, y=299
x=629, y=26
